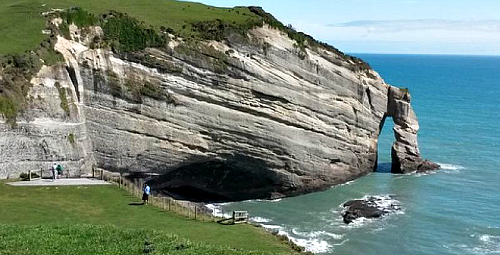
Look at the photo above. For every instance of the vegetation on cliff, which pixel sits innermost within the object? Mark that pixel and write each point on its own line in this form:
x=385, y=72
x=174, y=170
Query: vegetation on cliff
x=173, y=15
x=16, y=71
x=131, y=27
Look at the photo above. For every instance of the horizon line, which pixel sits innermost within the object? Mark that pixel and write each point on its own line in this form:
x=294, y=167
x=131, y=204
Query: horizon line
x=428, y=54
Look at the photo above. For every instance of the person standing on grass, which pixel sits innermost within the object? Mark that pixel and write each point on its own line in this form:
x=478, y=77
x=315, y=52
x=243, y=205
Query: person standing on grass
x=54, y=171
x=59, y=170
x=145, y=195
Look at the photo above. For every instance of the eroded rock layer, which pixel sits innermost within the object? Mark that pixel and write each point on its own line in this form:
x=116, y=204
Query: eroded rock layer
x=233, y=120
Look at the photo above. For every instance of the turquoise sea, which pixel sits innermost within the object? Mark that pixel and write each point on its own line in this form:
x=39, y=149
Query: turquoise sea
x=455, y=210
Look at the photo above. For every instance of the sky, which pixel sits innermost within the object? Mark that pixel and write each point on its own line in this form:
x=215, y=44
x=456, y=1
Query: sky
x=470, y=27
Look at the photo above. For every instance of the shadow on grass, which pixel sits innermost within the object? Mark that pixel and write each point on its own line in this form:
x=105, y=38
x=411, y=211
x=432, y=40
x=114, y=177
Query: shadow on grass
x=135, y=204
x=228, y=221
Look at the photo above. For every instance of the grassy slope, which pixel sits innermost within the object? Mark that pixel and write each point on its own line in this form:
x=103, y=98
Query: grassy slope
x=56, y=207
x=95, y=239
x=21, y=21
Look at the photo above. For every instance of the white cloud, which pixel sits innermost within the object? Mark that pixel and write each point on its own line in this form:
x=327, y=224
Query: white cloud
x=410, y=36
x=388, y=26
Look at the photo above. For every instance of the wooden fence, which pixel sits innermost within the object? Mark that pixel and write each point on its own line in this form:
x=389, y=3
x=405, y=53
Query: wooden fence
x=187, y=209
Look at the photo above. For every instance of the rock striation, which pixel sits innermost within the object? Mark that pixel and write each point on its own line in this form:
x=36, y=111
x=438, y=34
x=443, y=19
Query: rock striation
x=227, y=120
x=405, y=154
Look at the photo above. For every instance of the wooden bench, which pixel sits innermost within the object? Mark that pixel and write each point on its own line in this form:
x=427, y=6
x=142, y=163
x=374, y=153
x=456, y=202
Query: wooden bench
x=240, y=216
x=31, y=172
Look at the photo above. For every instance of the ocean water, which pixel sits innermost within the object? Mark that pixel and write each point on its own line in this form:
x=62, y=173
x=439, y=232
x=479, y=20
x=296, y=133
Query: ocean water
x=455, y=210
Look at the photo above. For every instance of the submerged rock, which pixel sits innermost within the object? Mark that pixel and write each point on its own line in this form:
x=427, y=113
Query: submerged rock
x=370, y=207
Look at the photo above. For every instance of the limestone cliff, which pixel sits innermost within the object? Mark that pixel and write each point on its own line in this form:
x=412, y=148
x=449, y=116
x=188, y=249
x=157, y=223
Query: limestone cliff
x=229, y=120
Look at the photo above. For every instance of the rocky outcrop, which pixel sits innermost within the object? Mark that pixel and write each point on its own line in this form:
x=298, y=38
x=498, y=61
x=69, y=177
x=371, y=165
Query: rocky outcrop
x=405, y=154
x=231, y=120
x=369, y=207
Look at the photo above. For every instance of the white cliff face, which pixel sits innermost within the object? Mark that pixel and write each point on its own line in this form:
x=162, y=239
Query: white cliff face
x=271, y=123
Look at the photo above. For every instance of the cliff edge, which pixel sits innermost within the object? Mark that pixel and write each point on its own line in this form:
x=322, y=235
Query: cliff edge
x=258, y=114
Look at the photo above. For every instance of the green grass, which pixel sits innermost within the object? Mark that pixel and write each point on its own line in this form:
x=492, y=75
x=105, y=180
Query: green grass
x=94, y=239
x=74, y=216
x=21, y=23
x=20, y=26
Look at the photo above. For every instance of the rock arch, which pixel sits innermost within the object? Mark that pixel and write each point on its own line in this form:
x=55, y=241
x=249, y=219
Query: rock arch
x=404, y=152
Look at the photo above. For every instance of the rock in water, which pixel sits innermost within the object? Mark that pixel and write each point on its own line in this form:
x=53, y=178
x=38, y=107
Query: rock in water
x=370, y=207
x=405, y=154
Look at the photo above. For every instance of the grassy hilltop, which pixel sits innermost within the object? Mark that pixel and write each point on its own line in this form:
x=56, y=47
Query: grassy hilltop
x=27, y=37
x=21, y=22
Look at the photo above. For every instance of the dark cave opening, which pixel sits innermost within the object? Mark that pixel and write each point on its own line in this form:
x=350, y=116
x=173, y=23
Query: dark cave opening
x=193, y=194
x=219, y=180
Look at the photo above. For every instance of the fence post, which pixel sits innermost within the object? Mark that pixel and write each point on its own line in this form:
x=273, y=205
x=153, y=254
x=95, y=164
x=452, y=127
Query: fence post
x=195, y=210
x=29, y=175
x=169, y=204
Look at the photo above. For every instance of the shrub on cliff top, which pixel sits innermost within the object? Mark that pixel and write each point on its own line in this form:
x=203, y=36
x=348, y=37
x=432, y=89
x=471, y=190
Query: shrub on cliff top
x=128, y=34
x=79, y=17
x=303, y=39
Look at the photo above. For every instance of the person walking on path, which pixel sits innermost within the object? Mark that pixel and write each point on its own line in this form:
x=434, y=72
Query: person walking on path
x=145, y=195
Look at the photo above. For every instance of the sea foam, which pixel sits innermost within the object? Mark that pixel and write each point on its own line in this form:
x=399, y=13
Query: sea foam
x=450, y=168
x=309, y=241
x=217, y=210
x=387, y=203
x=259, y=220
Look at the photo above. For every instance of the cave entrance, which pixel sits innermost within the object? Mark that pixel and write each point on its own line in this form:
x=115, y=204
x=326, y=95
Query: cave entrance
x=385, y=141
x=233, y=178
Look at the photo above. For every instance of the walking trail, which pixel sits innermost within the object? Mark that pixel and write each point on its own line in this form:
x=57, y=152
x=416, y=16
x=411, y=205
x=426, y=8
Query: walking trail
x=59, y=182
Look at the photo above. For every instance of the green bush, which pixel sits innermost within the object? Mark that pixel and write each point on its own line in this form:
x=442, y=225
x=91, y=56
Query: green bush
x=153, y=90
x=303, y=40
x=9, y=108
x=128, y=34
x=63, y=97
x=79, y=17
x=16, y=72
x=71, y=139
x=64, y=30
x=50, y=56
x=219, y=30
